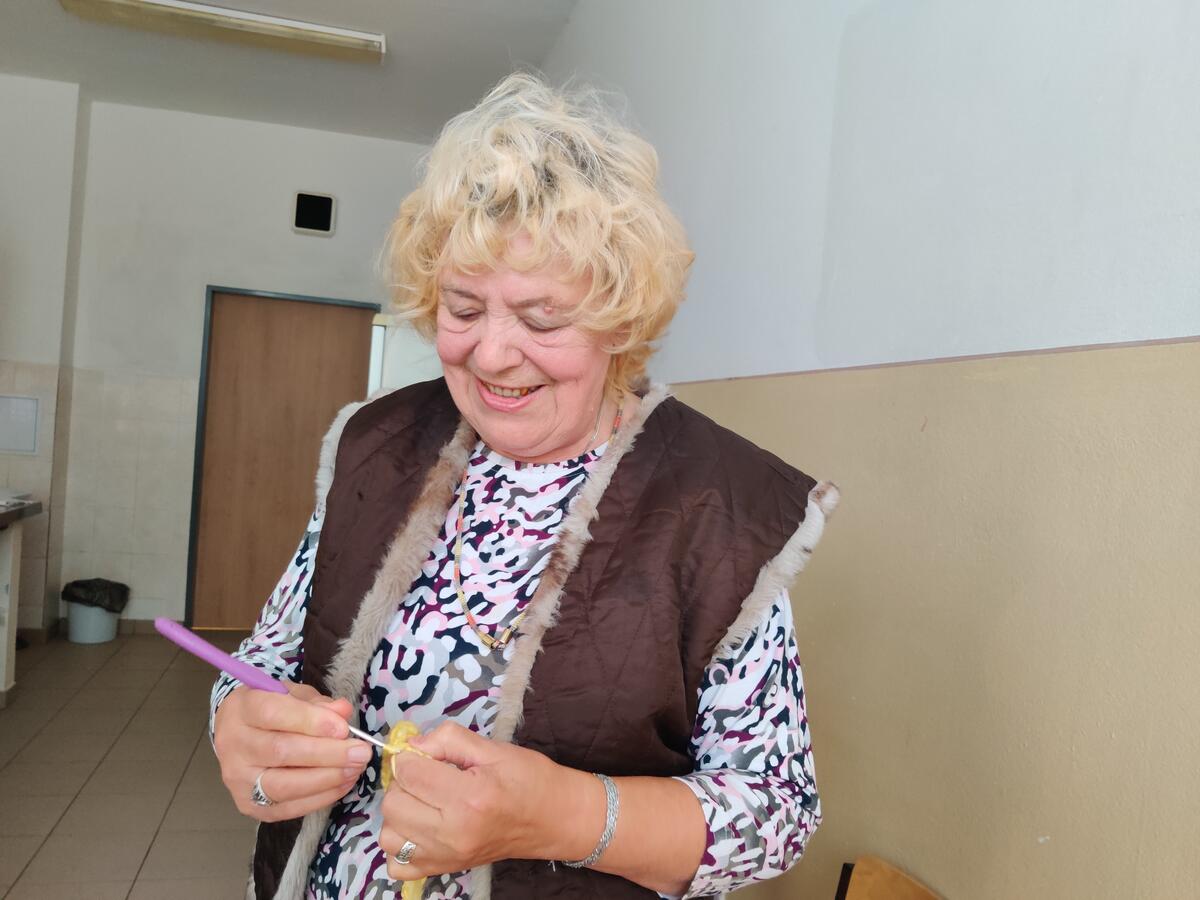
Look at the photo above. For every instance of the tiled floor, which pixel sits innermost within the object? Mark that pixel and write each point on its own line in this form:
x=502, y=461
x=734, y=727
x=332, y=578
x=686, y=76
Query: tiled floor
x=108, y=784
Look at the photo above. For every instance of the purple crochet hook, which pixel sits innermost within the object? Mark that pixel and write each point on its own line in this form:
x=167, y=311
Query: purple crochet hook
x=243, y=672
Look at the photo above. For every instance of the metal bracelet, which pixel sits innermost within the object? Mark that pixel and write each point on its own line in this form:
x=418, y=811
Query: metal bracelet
x=612, y=810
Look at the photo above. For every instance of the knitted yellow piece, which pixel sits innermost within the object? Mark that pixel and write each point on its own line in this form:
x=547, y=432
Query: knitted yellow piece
x=397, y=742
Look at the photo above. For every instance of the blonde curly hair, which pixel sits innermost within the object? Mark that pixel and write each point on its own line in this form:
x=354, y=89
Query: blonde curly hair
x=558, y=166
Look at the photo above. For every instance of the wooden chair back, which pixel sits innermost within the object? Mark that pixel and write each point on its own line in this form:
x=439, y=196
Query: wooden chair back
x=870, y=878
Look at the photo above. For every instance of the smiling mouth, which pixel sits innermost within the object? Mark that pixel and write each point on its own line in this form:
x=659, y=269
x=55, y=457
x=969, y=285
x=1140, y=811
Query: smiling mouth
x=512, y=393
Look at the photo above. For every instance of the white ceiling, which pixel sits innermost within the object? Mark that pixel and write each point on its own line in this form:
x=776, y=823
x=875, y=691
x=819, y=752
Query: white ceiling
x=442, y=55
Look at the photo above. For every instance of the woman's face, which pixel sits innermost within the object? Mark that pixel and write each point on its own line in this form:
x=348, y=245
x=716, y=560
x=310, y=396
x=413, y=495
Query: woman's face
x=530, y=383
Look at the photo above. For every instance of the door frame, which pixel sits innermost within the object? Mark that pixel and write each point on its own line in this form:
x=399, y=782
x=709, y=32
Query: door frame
x=202, y=409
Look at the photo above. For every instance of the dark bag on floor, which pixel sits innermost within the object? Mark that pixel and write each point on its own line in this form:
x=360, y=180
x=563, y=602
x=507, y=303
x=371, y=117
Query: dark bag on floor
x=110, y=595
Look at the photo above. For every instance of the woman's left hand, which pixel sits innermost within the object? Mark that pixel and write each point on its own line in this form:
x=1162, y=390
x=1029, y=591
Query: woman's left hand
x=475, y=801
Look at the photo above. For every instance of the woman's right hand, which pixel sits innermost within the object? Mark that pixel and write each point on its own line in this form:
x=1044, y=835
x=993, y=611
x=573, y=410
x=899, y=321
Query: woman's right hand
x=298, y=743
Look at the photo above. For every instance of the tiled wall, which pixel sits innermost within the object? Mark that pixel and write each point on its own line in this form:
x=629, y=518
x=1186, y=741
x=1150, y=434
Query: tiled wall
x=32, y=472
x=113, y=470
x=127, y=501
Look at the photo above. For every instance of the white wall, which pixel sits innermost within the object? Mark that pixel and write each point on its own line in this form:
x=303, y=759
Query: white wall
x=887, y=182
x=37, y=154
x=177, y=201
x=37, y=158
x=174, y=202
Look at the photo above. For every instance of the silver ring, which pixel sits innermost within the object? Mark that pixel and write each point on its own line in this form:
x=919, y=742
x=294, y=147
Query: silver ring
x=405, y=854
x=257, y=795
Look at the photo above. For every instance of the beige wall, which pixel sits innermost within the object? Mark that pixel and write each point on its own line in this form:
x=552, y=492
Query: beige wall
x=1000, y=629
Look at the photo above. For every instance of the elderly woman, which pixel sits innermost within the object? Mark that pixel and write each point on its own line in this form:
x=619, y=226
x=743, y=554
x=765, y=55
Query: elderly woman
x=573, y=584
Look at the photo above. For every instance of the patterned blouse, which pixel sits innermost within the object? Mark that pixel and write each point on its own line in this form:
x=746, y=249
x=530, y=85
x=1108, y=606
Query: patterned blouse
x=754, y=771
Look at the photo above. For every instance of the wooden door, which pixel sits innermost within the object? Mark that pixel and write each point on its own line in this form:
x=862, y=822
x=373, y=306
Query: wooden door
x=277, y=373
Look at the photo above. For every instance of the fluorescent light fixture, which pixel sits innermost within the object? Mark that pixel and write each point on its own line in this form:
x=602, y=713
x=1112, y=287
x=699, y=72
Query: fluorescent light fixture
x=205, y=20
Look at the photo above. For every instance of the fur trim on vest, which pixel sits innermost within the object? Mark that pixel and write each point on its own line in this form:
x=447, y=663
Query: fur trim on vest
x=402, y=561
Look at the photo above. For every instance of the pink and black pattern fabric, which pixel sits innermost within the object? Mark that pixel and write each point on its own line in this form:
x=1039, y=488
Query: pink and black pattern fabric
x=754, y=776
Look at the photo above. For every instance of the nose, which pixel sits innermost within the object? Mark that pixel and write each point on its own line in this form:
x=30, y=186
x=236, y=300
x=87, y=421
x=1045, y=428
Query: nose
x=497, y=350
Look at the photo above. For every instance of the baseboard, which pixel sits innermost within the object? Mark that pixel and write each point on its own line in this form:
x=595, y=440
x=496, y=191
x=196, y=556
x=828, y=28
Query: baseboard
x=38, y=635
x=125, y=628
x=136, y=626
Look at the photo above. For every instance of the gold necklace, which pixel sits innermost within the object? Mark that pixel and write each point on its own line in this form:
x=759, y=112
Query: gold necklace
x=489, y=642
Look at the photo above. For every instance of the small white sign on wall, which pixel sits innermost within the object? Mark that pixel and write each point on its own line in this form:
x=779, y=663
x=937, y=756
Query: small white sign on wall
x=18, y=424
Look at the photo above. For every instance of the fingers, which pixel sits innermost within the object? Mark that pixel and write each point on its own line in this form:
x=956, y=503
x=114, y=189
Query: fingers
x=428, y=780
x=406, y=818
x=291, y=789
x=294, y=792
x=301, y=738
x=429, y=858
x=278, y=749
x=459, y=746
x=341, y=707
x=390, y=842
x=289, y=785
x=310, y=694
x=304, y=692
x=297, y=808
x=398, y=872
x=276, y=712
x=406, y=814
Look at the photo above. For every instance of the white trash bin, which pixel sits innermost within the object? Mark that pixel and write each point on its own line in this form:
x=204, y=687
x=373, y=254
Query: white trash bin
x=90, y=624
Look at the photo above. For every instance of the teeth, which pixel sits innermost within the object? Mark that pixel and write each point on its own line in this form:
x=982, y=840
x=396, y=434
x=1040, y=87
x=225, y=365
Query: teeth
x=508, y=392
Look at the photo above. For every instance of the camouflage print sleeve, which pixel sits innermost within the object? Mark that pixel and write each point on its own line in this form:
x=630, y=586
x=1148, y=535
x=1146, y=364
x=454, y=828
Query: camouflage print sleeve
x=754, y=769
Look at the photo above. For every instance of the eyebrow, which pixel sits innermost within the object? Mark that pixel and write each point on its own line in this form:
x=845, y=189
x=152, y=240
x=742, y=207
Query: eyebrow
x=517, y=304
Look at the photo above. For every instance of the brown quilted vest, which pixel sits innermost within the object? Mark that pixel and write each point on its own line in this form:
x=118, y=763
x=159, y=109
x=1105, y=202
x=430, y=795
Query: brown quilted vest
x=691, y=515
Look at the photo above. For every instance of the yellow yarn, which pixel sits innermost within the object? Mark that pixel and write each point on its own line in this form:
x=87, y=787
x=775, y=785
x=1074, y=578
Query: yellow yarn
x=397, y=742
